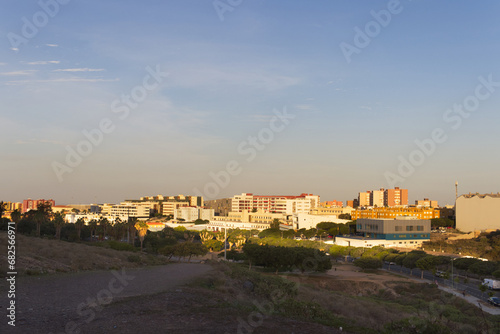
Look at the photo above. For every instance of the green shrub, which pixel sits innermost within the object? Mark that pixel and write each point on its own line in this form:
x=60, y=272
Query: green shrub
x=134, y=258
x=121, y=246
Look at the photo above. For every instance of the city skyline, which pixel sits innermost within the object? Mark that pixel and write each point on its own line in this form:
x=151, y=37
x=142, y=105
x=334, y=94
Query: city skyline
x=109, y=101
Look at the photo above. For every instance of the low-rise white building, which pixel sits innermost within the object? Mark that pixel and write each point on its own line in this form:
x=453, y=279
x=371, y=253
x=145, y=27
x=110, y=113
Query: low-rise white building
x=307, y=221
x=408, y=232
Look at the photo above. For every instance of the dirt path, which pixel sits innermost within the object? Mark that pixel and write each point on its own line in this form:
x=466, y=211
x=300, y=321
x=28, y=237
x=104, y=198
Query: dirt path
x=65, y=303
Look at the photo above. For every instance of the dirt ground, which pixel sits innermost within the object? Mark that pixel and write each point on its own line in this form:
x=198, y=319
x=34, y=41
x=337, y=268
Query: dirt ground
x=146, y=300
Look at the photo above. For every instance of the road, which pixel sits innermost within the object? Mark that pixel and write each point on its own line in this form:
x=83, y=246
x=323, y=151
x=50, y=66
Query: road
x=471, y=288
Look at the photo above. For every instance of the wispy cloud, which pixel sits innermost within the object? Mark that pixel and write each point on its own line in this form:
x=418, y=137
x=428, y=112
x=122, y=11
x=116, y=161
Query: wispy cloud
x=44, y=62
x=17, y=73
x=366, y=108
x=52, y=45
x=304, y=107
x=80, y=70
x=260, y=118
x=2, y=64
x=213, y=76
x=20, y=82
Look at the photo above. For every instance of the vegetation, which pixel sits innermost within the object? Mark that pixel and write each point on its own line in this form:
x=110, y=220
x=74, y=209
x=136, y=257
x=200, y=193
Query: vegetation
x=367, y=263
x=287, y=258
x=442, y=222
x=486, y=245
x=389, y=307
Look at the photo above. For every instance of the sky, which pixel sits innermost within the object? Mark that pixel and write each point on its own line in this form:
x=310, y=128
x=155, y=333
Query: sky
x=103, y=101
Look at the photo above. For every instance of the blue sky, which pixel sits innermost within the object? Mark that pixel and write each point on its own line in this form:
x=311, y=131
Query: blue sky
x=353, y=120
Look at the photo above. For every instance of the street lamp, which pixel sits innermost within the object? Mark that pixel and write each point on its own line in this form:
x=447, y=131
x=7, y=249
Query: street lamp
x=452, y=277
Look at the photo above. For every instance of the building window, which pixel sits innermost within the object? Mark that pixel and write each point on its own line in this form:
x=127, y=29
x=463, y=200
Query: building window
x=409, y=228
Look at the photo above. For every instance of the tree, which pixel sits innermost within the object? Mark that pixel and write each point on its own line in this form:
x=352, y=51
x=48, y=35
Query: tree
x=58, y=223
x=16, y=216
x=2, y=208
x=426, y=263
x=131, y=231
x=213, y=245
x=410, y=260
x=482, y=288
x=42, y=214
x=93, y=228
x=142, y=228
x=79, y=225
x=275, y=224
x=195, y=249
x=368, y=263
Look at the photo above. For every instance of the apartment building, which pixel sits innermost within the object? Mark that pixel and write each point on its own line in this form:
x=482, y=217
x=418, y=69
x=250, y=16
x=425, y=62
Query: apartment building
x=377, y=198
x=396, y=197
x=30, y=204
x=169, y=206
x=277, y=204
x=191, y=213
x=221, y=206
x=364, y=198
x=125, y=210
x=426, y=203
x=332, y=204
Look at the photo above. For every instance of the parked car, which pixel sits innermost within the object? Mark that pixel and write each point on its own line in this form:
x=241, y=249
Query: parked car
x=440, y=273
x=494, y=301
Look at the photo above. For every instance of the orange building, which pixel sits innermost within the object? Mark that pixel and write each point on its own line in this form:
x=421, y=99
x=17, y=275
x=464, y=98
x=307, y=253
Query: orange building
x=395, y=197
x=387, y=212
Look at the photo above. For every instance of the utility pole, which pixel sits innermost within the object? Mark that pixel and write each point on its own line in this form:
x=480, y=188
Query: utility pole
x=456, y=189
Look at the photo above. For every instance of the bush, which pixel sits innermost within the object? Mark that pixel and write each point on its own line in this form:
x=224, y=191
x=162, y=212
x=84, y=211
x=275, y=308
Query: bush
x=134, y=258
x=121, y=246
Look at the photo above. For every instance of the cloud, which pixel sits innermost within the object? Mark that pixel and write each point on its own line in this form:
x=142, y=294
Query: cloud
x=15, y=49
x=16, y=73
x=211, y=77
x=74, y=79
x=80, y=70
x=366, y=107
x=304, y=107
x=52, y=45
x=44, y=62
x=2, y=64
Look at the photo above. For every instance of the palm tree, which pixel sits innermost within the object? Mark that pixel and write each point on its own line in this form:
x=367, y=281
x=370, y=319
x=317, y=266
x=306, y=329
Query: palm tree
x=142, y=228
x=131, y=229
x=58, y=223
x=79, y=225
x=104, y=224
x=118, y=229
x=43, y=213
x=93, y=228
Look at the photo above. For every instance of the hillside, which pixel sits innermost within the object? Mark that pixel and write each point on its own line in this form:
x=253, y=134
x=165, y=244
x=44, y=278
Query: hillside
x=40, y=256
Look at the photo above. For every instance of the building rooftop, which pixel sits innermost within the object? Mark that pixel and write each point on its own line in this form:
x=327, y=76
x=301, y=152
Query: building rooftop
x=470, y=195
